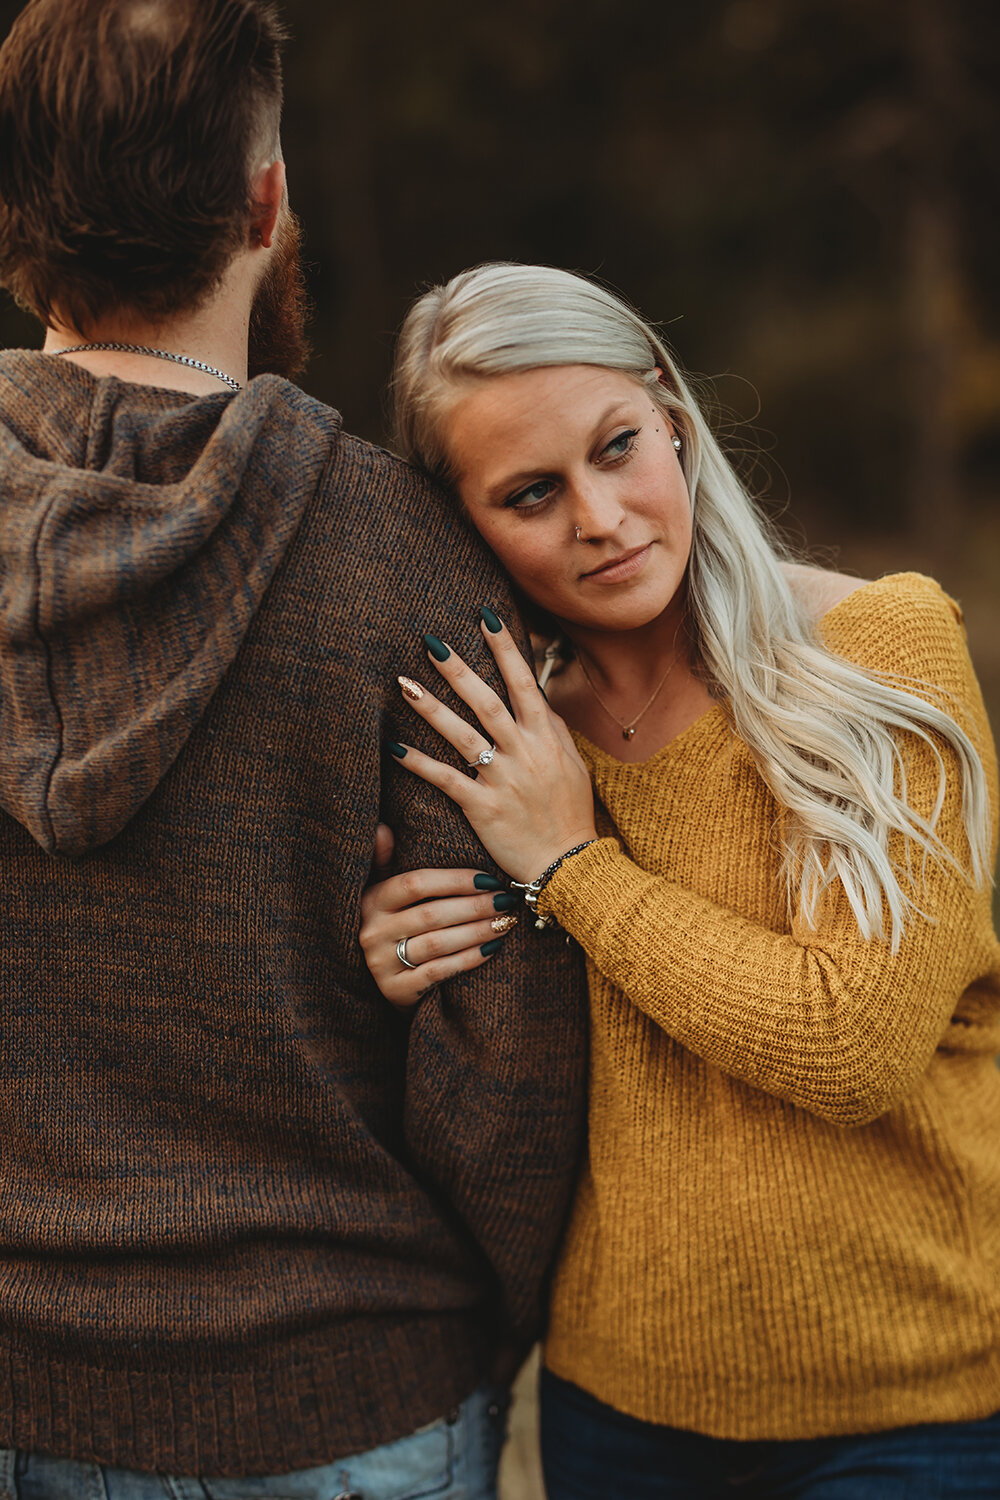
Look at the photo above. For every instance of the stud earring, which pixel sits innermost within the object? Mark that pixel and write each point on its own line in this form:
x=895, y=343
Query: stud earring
x=677, y=444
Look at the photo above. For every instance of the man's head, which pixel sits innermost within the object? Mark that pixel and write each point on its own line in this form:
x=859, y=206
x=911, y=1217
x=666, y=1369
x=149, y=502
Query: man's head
x=132, y=133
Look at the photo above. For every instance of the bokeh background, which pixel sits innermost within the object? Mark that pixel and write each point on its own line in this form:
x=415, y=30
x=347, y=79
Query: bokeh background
x=805, y=193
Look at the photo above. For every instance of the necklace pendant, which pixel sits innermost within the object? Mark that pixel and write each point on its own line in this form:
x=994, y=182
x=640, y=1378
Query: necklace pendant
x=629, y=732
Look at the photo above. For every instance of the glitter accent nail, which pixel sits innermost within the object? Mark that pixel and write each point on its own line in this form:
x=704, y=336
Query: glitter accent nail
x=504, y=923
x=411, y=689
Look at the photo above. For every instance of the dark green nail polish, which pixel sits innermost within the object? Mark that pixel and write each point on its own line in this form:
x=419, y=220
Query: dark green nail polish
x=437, y=648
x=399, y=751
x=505, y=902
x=492, y=621
x=487, y=883
x=493, y=946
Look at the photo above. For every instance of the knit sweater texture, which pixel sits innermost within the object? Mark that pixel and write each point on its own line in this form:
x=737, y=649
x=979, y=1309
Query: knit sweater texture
x=789, y=1221
x=251, y=1218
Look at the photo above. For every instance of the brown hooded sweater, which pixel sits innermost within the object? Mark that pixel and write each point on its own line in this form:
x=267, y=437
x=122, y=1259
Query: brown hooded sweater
x=251, y=1219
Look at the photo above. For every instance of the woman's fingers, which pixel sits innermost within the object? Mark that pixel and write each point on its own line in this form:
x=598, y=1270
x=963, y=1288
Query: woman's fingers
x=458, y=911
x=521, y=683
x=488, y=707
x=497, y=726
x=463, y=737
x=404, y=990
x=431, y=928
x=445, y=942
x=385, y=846
x=457, y=785
x=445, y=922
x=402, y=891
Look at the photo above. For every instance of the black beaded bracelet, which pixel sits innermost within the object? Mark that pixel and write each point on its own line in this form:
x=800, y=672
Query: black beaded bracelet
x=533, y=888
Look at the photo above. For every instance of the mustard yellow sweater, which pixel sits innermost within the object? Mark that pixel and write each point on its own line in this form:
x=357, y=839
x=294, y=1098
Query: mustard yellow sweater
x=789, y=1221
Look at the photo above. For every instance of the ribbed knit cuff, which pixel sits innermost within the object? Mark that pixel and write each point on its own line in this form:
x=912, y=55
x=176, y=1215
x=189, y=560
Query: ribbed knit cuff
x=588, y=886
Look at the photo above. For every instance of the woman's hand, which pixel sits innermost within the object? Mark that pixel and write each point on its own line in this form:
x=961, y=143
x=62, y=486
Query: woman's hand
x=451, y=921
x=530, y=802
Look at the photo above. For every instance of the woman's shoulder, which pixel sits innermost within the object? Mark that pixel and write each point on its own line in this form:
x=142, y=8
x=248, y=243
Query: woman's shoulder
x=903, y=624
x=896, y=601
x=819, y=589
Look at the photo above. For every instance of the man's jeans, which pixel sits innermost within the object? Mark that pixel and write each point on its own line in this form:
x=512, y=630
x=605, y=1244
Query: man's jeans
x=453, y=1459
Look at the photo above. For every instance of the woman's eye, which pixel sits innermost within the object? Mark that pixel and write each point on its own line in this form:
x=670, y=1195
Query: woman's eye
x=622, y=444
x=533, y=495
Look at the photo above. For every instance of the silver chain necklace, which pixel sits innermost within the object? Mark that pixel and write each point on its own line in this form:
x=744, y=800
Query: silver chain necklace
x=177, y=359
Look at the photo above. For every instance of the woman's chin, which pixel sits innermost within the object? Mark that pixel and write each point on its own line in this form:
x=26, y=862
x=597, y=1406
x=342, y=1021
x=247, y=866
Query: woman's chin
x=618, y=615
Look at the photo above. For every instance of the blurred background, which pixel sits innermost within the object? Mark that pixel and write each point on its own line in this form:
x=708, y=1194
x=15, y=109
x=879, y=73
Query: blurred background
x=804, y=193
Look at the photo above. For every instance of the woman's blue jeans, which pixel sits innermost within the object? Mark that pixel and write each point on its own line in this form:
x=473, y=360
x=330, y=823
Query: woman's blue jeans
x=453, y=1459
x=591, y=1452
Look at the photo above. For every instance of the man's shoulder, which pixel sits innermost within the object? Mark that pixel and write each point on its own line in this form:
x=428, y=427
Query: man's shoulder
x=392, y=510
x=360, y=461
x=355, y=459
x=385, y=493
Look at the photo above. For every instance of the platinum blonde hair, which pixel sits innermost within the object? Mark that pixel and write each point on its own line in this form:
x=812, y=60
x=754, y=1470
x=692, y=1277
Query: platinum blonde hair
x=822, y=732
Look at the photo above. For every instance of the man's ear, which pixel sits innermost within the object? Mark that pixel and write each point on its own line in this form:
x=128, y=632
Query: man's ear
x=268, y=191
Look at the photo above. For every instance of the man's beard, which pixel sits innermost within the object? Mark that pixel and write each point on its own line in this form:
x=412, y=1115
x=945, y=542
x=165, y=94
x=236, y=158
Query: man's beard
x=281, y=308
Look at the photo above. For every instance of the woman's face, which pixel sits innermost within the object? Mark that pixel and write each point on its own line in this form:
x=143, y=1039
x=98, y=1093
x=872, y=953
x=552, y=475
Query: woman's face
x=570, y=475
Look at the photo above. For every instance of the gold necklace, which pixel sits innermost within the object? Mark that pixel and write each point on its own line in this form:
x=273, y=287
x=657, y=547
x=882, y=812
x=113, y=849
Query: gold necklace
x=628, y=730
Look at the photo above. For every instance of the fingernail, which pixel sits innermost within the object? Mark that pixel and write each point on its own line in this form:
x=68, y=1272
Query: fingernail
x=503, y=924
x=399, y=751
x=493, y=946
x=506, y=902
x=492, y=621
x=411, y=689
x=437, y=648
x=487, y=883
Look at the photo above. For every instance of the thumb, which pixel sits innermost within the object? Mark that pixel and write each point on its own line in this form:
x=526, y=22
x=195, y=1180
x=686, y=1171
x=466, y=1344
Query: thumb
x=385, y=847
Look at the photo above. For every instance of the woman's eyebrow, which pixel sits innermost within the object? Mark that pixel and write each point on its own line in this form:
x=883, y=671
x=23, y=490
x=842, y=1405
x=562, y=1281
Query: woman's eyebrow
x=507, y=485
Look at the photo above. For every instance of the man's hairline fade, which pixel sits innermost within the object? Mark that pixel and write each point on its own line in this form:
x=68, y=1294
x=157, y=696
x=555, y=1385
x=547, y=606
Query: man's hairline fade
x=148, y=85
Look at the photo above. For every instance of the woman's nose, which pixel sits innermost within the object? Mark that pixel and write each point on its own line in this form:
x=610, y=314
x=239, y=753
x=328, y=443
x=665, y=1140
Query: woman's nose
x=594, y=514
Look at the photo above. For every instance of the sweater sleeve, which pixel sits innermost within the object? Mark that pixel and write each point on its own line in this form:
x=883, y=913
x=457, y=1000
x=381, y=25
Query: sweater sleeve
x=835, y=1024
x=494, y=1106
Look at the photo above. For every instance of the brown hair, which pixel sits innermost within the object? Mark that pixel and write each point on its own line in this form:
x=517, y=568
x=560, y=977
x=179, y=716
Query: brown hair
x=127, y=129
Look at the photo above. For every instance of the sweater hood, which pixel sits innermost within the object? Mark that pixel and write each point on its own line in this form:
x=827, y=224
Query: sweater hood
x=139, y=532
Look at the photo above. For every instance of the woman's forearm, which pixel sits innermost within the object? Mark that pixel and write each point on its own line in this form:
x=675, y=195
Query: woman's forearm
x=834, y=1023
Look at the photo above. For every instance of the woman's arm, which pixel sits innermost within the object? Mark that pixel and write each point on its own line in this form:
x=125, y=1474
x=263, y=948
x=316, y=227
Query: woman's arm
x=827, y=1020
x=835, y=1023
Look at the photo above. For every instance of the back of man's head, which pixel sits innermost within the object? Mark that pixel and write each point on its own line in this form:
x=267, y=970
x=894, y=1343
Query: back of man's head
x=129, y=133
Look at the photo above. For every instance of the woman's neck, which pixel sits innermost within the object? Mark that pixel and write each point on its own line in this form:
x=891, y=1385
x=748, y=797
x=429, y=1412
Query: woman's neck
x=630, y=692
x=624, y=663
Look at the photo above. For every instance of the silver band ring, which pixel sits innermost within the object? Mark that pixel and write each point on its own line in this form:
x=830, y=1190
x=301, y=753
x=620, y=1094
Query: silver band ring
x=401, y=955
x=484, y=758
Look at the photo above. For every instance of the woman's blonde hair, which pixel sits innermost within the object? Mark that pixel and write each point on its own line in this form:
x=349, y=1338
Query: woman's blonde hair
x=821, y=731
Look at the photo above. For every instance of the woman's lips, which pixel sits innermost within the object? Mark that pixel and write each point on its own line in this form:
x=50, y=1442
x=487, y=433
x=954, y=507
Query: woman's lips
x=620, y=568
